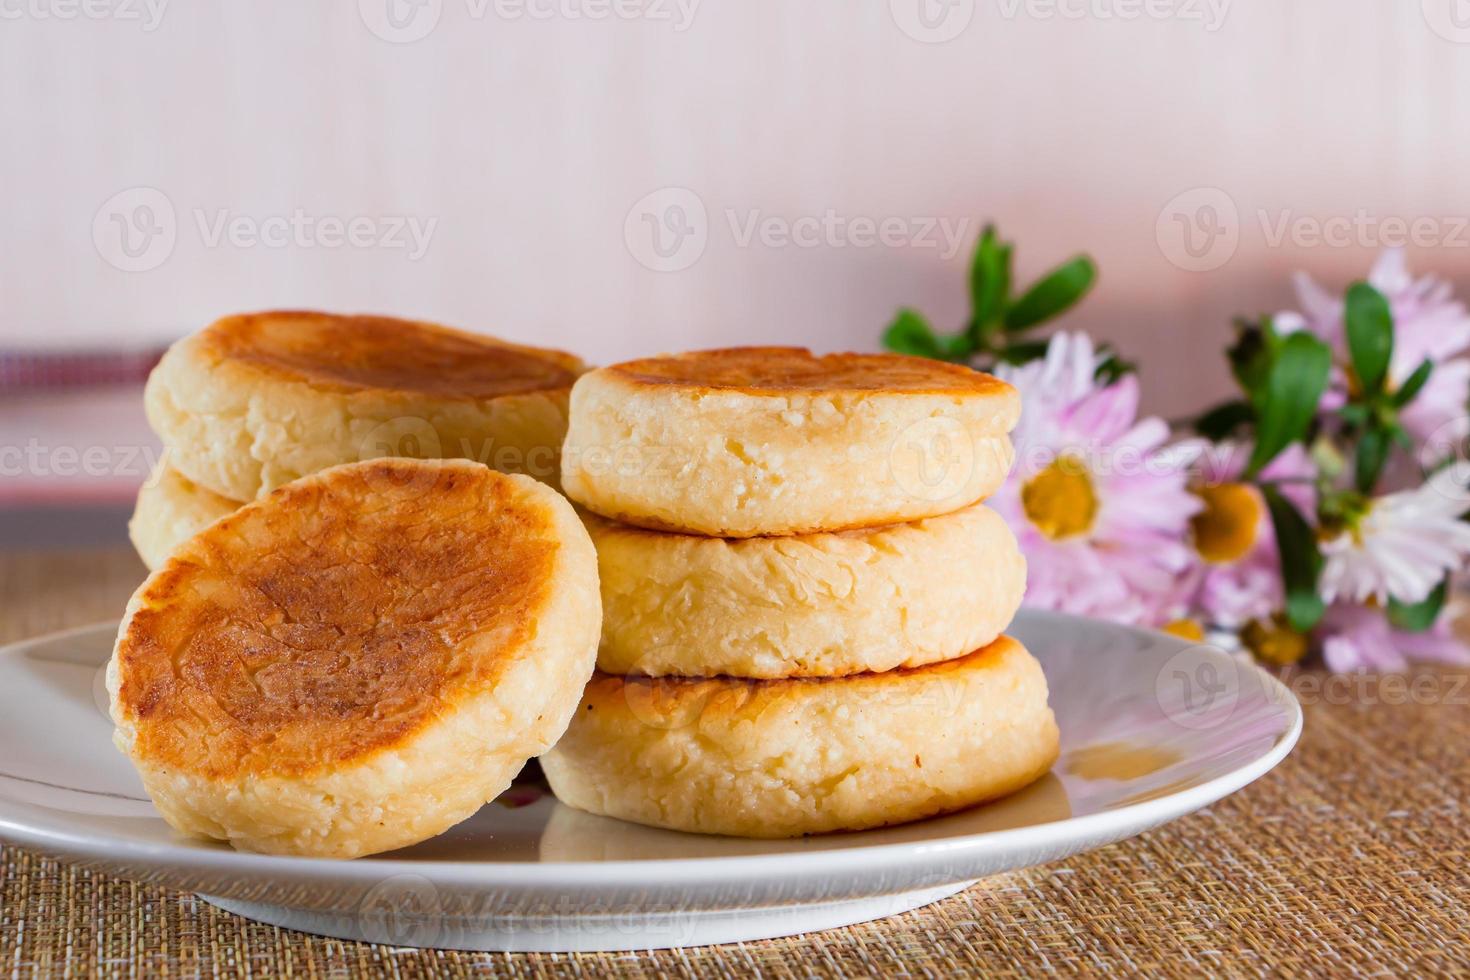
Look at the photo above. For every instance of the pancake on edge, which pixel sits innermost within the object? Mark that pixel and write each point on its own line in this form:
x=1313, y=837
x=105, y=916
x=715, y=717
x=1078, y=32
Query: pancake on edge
x=170, y=510
x=359, y=660
x=775, y=440
x=785, y=758
x=812, y=605
x=256, y=400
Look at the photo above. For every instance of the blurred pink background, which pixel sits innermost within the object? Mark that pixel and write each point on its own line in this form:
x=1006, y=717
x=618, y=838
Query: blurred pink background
x=505, y=165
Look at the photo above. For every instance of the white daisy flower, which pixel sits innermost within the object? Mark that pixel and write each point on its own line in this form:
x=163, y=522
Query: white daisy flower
x=1400, y=546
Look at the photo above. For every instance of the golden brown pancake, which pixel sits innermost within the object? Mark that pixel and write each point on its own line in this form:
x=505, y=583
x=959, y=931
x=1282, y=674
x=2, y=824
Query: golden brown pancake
x=257, y=400
x=782, y=758
x=170, y=510
x=797, y=369
x=363, y=353
x=358, y=660
x=806, y=605
x=775, y=440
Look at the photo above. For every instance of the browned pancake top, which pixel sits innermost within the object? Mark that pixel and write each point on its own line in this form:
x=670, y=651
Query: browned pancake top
x=357, y=353
x=334, y=617
x=796, y=369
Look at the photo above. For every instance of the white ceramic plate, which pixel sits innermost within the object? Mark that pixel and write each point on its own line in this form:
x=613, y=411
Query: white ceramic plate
x=1152, y=728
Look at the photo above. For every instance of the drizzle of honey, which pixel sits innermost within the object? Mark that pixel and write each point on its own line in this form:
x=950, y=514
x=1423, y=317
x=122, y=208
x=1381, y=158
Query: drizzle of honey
x=1119, y=761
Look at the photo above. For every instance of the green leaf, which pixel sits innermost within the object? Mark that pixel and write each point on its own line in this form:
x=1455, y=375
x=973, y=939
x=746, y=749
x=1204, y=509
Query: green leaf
x=1410, y=389
x=1250, y=355
x=1112, y=367
x=1053, y=294
x=1287, y=401
x=910, y=333
x=1420, y=616
x=957, y=347
x=1024, y=352
x=1301, y=561
x=1372, y=455
x=1369, y=335
x=1221, y=421
x=990, y=285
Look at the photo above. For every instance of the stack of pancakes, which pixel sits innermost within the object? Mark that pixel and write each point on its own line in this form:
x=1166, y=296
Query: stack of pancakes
x=803, y=595
x=791, y=589
x=255, y=401
x=338, y=653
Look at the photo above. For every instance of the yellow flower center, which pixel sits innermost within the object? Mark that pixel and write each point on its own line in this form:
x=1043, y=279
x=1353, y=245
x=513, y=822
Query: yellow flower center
x=1225, y=531
x=1274, y=641
x=1186, y=629
x=1345, y=516
x=1060, y=499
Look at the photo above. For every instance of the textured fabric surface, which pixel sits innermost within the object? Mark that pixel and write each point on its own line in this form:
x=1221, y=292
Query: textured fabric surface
x=1352, y=857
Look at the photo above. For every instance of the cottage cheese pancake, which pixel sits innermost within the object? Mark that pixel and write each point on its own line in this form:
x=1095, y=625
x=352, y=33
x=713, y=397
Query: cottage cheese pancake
x=809, y=605
x=257, y=400
x=783, y=758
x=775, y=440
x=359, y=660
x=170, y=510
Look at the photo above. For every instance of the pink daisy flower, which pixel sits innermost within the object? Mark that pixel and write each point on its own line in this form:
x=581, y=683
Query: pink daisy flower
x=1235, y=589
x=1428, y=324
x=1098, y=499
x=1360, y=638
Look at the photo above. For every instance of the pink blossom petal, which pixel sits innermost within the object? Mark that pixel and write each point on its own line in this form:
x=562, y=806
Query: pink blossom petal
x=1390, y=273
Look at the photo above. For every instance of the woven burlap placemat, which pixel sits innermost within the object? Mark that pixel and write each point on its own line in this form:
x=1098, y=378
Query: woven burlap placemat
x=1353, y=856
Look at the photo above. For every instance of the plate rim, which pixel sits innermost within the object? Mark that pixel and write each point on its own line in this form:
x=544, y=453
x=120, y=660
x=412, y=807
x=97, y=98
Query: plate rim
x=728, y=868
